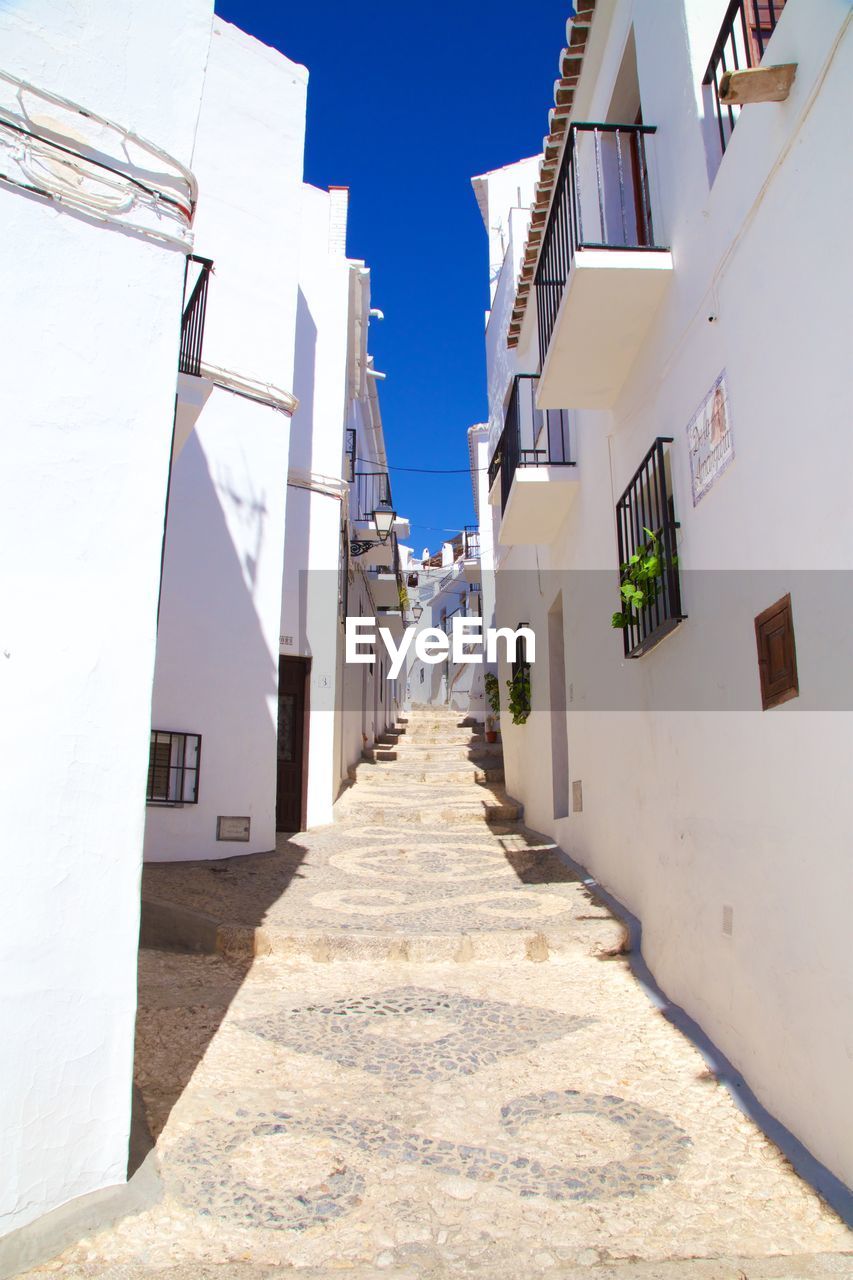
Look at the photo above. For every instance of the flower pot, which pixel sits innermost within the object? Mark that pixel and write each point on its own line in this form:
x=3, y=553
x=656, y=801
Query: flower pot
x=491, y=735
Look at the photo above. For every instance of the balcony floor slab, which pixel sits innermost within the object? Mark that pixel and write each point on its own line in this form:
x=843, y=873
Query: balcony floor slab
x=539, y=499
x=608, y=304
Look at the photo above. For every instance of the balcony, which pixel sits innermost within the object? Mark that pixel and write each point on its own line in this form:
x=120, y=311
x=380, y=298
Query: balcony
x=531, y=474
x=601, y=273
x=371, y=490
x=193, y=389
x=195, y=308
x=386, y=583
x=734, y=77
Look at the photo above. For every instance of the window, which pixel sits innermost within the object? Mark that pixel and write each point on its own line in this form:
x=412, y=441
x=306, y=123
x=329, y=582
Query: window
x=648, y=564
x=777, y=655
x=173, y=767
x=520, y=690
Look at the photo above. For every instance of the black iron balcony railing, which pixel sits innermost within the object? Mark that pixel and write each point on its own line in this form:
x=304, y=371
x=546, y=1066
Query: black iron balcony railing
x=372, y=489
x=471, y=539
x=602, y=200
x=531, y=437
x=195, y=306
x=746, y=29
x=646, y=526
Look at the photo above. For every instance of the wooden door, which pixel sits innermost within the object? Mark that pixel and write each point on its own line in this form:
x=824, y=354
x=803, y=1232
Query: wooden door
x=642, y=191
x=292, y=743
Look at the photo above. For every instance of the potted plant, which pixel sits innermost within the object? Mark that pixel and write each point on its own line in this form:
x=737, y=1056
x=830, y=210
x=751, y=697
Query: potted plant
x=493, y=697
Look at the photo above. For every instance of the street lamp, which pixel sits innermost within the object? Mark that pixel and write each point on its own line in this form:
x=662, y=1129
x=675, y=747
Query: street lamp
x=417, y=611
x=384, y=517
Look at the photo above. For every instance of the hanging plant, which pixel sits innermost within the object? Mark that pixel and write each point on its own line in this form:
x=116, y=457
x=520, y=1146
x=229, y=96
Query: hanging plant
x=641, y=578
x=519, y=694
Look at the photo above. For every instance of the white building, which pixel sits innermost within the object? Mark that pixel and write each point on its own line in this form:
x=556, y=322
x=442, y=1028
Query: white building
x=675, y=292
x=372, y=582
x=212, y=781
x=98, y=110
x=446, y=586
x=335, y=563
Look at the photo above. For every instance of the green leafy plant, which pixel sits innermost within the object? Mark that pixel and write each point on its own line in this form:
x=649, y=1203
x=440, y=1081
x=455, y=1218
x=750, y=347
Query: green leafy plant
x=519, y=694
x=493, y=693
x=641, y=577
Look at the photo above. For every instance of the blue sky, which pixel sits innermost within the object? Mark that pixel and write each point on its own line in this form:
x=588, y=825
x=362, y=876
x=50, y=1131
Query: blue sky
x=406, y=103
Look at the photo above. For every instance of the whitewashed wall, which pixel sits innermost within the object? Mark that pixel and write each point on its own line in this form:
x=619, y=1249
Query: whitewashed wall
x=217, y=657
x=687, y=812
x=309, y=613
x=86, y=406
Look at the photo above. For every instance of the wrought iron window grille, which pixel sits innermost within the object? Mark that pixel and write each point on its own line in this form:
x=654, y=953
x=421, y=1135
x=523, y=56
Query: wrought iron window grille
x=173, y=767
x=645, y=522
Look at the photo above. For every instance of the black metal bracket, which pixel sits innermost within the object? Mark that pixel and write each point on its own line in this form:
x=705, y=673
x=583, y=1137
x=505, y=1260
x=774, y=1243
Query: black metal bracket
x=357, y=548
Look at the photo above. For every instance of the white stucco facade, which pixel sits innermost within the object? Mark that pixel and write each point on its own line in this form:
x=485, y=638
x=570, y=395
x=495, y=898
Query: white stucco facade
x=217, y=653
x=310, y=623
x=723, y=827
x=87, y=409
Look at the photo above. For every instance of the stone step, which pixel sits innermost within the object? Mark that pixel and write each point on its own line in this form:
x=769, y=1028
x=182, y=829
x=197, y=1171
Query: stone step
x=482, y=755
x=461, y=739
x=546, y=942
x=442, y=744
x=394, y=811
x=430, y=775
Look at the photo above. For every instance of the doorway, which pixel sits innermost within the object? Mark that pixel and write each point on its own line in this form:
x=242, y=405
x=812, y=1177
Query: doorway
x=292, y=744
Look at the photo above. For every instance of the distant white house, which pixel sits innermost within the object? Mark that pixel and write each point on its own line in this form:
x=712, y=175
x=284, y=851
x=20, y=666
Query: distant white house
x=446, y=586
x=669, y=390
x=97, y=121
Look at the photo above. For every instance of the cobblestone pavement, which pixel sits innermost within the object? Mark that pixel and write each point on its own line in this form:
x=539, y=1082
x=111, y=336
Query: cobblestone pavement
x=426, y=1113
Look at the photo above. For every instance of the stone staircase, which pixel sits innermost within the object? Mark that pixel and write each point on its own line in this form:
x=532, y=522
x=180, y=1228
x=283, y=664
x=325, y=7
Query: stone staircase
x=435, y=768
x=428, y=860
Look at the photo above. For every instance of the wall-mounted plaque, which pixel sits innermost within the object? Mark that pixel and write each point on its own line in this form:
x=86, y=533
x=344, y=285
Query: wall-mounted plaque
x=709, y=439
x=233, y=828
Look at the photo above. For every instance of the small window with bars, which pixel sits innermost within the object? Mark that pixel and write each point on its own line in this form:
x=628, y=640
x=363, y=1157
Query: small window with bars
x=173, y=763
x=646, y=527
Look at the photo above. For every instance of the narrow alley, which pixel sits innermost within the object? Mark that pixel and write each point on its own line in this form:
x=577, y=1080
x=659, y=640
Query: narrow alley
x=414, y=1046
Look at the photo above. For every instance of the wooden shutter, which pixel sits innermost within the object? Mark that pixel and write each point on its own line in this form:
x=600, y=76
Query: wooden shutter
x=777, y=655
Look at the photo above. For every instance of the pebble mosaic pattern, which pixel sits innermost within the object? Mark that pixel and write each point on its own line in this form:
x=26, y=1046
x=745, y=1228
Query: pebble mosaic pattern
x=203, y=1163
x=202, y=1171
x=483, y=1032
x=317, y=1118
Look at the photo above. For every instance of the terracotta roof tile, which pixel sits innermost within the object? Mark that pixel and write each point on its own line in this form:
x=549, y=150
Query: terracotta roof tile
x=570, y=63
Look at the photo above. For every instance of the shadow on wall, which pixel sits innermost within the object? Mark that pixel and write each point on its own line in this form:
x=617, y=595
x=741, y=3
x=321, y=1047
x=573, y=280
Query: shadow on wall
x=213, y=661
x=214, y=673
